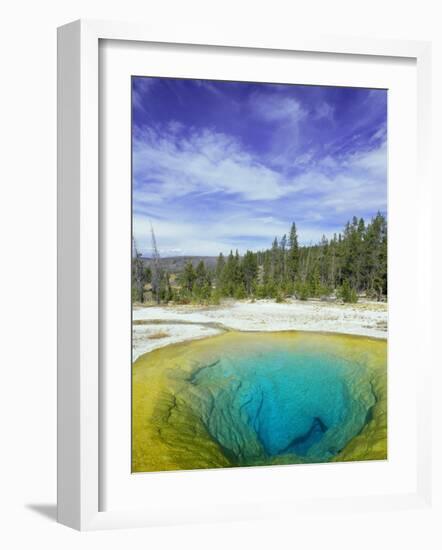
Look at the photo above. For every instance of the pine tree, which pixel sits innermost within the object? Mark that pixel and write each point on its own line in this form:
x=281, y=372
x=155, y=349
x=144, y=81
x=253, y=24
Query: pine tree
x=293, y=255
x=189, y=277
x=250, y=271
x=276, y=262
x=333, y=261
x=220, y=265
x=283, y=259
x=314, y=282
x=239, y=275
x=324, y=262
x=347, y=293
x=200, y=275
x=202, y=285
x=229, y=275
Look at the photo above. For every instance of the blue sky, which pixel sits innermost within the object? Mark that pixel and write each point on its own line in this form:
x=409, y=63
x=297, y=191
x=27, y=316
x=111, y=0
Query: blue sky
x=229, y=165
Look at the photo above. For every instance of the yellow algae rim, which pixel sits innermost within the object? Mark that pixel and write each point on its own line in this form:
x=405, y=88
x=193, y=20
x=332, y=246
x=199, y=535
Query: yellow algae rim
x=159, y=376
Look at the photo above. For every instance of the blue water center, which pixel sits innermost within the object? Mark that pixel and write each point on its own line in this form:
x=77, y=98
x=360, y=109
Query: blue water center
x=282, y=402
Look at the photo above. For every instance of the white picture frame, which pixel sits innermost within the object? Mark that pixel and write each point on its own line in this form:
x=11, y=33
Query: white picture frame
x=79, y=269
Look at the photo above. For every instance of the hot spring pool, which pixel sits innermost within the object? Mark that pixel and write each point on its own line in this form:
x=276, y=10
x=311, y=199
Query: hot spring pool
x=243, y=399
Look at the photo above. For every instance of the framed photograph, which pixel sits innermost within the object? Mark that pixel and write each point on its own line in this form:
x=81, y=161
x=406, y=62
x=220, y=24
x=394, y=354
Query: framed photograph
x=233, y=336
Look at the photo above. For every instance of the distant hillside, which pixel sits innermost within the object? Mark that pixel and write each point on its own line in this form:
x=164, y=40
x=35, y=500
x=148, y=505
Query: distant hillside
x=175, y=264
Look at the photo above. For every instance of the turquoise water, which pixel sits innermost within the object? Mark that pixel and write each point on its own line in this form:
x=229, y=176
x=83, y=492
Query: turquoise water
x=305, y=405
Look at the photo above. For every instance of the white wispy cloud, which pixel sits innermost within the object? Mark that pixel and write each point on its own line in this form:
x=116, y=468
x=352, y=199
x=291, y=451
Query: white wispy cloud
x=273, y=108
x=325, y=110
x=205, y=162
x=352, y=183
x=259, y=202
x=140, y=92
x=200, y=235
x=373, y=161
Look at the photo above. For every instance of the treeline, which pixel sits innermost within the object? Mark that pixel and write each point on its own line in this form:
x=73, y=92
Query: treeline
x=352, y=263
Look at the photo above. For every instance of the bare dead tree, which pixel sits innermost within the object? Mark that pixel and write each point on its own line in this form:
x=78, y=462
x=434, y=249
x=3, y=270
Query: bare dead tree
x=137, y=271
x=156, y=268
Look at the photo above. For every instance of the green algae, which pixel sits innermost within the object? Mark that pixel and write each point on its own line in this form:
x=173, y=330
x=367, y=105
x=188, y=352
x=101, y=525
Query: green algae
x=179, y=423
